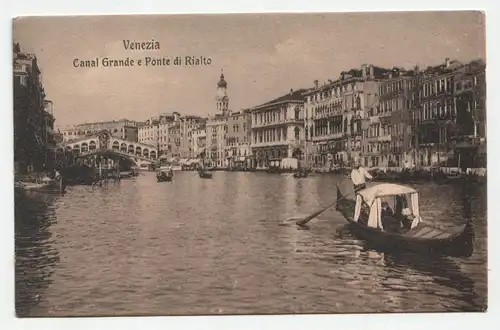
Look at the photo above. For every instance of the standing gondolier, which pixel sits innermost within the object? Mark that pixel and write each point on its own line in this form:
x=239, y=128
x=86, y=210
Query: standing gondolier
x=358, y=176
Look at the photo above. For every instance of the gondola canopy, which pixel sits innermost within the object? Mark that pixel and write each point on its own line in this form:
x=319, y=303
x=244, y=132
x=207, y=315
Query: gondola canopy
x=372, y=197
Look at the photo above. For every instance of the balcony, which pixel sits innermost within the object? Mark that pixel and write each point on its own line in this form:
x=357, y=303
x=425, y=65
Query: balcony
x=334, y=136
x=278, y=122
x=327, y=115
x=270, y=144
x=384, y=138
x=20, y=68
x=297, y=143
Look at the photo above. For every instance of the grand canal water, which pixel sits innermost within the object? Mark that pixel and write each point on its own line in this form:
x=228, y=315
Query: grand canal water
x=197, y=246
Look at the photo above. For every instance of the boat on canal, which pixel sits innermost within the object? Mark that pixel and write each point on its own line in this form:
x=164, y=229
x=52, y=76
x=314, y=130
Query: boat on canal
x=204, y=174
x=164, y=175
x=46, y=184
x=370, y=218
x=302, y=173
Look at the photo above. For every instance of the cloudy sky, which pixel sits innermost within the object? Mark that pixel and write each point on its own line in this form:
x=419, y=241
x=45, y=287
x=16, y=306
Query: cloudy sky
x=263, y=56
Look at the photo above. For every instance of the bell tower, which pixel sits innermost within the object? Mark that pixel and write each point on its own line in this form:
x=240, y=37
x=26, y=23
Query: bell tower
x=222, y=99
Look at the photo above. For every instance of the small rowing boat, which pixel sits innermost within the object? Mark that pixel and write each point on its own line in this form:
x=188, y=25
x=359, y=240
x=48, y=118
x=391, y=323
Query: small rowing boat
x=44, y=185
x=370, y=218
x=205, y=175
x=164, y=175
x=301, y=174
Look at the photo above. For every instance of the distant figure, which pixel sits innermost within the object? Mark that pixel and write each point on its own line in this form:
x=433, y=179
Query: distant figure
x=389, y=221
x=386, y=210
x=358, y=175
x=403, y=212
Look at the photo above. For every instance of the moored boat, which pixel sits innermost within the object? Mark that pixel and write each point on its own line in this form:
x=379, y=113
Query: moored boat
x=370, y=219
x=46, y=184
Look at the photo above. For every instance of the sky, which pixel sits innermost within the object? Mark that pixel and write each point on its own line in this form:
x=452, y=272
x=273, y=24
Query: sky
x=262, y=56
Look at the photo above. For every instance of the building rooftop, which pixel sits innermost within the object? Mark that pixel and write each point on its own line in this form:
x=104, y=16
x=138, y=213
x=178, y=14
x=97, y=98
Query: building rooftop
x=447, y=67
x=293, y=96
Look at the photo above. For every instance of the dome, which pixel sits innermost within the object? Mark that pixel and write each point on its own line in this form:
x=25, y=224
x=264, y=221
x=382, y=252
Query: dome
x=222, y=82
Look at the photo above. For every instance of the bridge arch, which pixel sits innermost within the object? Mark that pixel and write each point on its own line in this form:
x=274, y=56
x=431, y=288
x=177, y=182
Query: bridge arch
x=103, y=143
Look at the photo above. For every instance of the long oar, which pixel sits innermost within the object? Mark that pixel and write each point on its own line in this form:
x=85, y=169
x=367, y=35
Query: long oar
x=303, y=221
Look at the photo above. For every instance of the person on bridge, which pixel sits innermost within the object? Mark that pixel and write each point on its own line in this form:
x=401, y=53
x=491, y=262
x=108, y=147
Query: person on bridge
x=358, y=175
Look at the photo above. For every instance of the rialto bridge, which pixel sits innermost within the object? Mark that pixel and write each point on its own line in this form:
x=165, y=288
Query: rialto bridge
x=105, y=144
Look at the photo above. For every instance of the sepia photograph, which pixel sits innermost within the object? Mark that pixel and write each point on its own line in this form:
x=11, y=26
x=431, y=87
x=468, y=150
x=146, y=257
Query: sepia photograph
x=242, y=164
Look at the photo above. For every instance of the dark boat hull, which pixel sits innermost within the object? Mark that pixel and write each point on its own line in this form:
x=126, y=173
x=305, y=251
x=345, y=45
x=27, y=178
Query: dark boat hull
x=163, y=178
x=422, y=239
x=205, y=175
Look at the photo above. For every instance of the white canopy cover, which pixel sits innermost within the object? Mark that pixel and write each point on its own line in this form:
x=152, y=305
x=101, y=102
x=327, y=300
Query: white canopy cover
x=372, y=198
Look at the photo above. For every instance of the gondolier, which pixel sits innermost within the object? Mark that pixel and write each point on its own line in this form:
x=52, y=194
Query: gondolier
x=358, y=176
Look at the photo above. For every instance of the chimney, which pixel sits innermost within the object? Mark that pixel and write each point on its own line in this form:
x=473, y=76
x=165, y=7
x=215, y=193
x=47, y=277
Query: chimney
x=363, y=70
x=447, y=62
x=316, y=84
x=342, y=75
x=371, y=70
x=291, y=91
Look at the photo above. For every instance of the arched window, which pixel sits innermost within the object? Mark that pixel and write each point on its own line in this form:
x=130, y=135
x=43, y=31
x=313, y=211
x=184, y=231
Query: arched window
x=297, y=133
x=297, y=113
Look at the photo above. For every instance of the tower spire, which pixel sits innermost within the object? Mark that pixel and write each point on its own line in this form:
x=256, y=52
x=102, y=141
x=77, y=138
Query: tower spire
x=222, y=98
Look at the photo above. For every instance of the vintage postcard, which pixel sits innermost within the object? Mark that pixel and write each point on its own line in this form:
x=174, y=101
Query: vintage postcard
x=250, y=164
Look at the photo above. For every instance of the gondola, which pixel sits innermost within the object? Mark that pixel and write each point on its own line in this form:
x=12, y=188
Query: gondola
x=163, y=176
x=300, y=174
x=366, y=221
x=205, y=175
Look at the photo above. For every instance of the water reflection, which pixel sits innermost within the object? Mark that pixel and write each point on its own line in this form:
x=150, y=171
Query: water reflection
x=215, y=246
x=35, y=251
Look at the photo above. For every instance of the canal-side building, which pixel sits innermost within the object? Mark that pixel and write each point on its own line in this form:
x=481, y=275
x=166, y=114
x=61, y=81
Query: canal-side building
x=238, y=139
x=124, y=129
x=29, y=112
x=217, y=128
x=436, y=116
x=155, y=131
x=171, y=133
x=188, y=124
x=49, y=136
x=389, y=136
x=469, y=141
x=199, y=141
x=278, y=129
x=337, y=116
